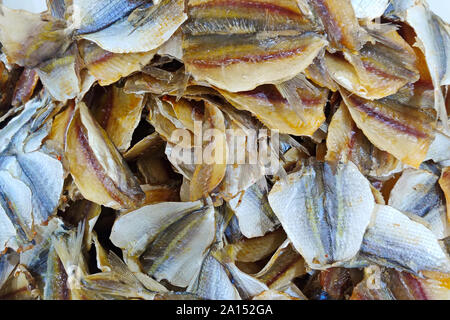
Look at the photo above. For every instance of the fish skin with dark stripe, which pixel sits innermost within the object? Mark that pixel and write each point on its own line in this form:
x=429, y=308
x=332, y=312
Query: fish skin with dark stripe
x=104, y=181
x=404, y=131
x=230, y=36
x=417, y=192
x=186, y=240
x=341, y=25
x=100, y=14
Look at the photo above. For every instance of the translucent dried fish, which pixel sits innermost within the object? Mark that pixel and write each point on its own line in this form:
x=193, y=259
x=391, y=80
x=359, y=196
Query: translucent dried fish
x=31, y=180
x=145, y=29
x=434, y=37
x=255, y=249
x=61, y=75
x=25, y=87
x=119, y=113
x=378, y=70
x=293, y=107
x=341, y=25
x=32, y=41
x=177, y=253
x=108, y=67
x=404, y=131
x=98, y=15
x=346, y=142
x=96, y=166
x=156, y=217
x=212, y=282
x=284, y=266
x=444, y=182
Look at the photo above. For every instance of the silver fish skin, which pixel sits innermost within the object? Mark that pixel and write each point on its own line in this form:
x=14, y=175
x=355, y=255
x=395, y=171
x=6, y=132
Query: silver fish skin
x=254, y=213
x=93, y=16
x=212, y=282
x=247, y=285
x=324, y=210
x=393, y=240
x=8, y=263
x=418, y=192
x=134, y=231
x=369, y=9
x=177, y=252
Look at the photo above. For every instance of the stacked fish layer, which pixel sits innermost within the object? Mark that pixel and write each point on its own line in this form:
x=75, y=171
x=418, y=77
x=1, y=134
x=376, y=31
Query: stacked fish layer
x=225, y=149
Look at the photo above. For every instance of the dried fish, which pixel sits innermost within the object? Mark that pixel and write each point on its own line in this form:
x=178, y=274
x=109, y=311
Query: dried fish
x=341, y=25
x=394, y=240
x=224, y=150
x=118, y=114
x=284, y=266
x=254, y=213
x=108, y=67
x=145, y=29
x=61, y=75
x=444, y=182
x=34, y=40
x=96, y=166
x=239, y=45
x=402, y=130
x=324, y=210
x=434, y=40
x=296, y=110
x=417, y=192
x=378, y=70
x=345, y=142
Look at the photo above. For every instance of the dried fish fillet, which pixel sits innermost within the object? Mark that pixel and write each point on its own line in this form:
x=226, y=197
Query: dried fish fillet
x=145, y=29
x=253, y=211
x=404, y=131
x=213, y=283
x=277, y=112
x=119, y=114
x=444, y=182
x=325, y=211
x=224, y=150
x=378, y=70
x=345, y=142
x=61, y=75
x=92, y=16
x=341, y=25
x=96, y=166
x=434, y=40
x=231, y=45
x=369, y=9
x=417, y=192
x=34, y=40
x=108, y=67
x=177, y=253
x=394, y=240
x=284, y=266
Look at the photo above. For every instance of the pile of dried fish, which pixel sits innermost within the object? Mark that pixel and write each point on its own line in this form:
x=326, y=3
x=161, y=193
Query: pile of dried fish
x=326, y=120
